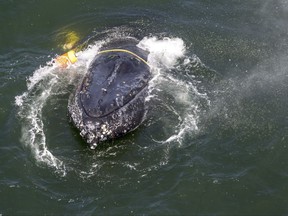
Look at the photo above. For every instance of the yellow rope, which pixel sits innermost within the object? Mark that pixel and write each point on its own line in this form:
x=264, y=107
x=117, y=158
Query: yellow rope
x=126, y=51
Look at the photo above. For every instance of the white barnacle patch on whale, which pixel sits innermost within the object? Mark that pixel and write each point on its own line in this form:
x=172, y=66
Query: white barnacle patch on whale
x=119, y=101
x=104, y=90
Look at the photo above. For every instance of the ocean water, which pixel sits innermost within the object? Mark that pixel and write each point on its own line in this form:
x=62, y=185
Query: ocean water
x=214, y=141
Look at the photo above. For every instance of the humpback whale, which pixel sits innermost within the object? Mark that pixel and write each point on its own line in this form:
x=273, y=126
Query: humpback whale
x=110, y=99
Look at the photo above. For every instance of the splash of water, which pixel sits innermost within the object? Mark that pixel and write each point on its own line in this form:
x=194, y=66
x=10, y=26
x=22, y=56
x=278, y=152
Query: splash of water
x=163, y=52
x=44, y=83
x=31, y=104
x=164, y=56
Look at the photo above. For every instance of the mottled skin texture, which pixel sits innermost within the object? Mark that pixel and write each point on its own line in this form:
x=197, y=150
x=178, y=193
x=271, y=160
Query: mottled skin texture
x=110, y=101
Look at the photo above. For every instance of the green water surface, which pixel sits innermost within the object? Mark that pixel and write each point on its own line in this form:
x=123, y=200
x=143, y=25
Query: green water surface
x=235, y=163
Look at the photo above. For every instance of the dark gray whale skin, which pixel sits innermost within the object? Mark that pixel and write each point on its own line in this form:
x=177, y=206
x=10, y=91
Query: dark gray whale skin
x=110, y=100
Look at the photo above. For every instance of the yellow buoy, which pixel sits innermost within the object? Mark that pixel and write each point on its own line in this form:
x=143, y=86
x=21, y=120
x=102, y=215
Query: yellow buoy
x=66, y=59
x=71, y=38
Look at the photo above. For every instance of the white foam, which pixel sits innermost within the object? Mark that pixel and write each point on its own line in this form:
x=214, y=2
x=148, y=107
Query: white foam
x=30, y=109
x=45, y=82
x=163, y=52
x=19, y=99
x=86, y=56
x=164, y=56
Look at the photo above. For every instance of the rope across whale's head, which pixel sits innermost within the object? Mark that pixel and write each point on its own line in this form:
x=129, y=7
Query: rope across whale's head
x=70, y=57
